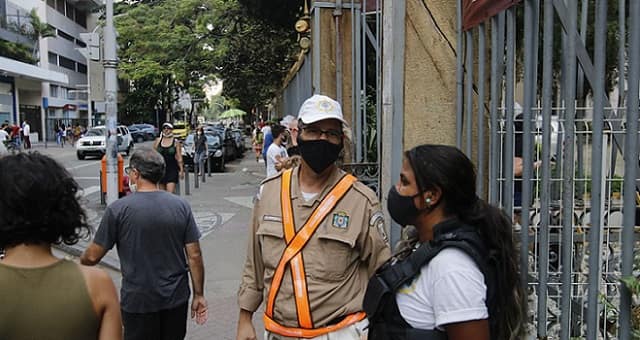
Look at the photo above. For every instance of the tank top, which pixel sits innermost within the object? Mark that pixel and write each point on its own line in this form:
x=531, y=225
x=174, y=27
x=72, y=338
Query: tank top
x=50, y=303
x=169, y=154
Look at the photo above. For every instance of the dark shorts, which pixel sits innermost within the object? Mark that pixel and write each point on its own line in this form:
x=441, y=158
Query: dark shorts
x=168, y=324
x=170, y=177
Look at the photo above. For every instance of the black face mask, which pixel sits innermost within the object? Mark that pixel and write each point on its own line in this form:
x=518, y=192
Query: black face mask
x=401, y=208
x=319, y=154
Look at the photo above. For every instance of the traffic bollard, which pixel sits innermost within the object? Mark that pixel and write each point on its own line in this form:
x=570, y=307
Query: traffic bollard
x=103, y=200
x=187, y=189
x=204, y=170
x=209, y=167
x=177, y=189
x=197, y=167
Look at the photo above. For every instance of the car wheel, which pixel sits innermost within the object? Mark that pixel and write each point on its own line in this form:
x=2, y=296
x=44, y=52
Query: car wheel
x=80, y=155
x=140, y=139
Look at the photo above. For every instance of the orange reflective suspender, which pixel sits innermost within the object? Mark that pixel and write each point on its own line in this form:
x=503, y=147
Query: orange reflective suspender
x=292, y=256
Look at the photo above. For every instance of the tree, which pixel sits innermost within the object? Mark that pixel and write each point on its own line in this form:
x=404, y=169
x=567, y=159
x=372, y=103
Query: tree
x=39, y=30
x=169, y=47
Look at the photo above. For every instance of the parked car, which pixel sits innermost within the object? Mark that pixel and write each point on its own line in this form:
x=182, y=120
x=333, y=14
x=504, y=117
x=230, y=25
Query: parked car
x=215, y=154
x=94, y=142
x=148, y=128
x=140, y=136
x=238, y=136
x=180, y=130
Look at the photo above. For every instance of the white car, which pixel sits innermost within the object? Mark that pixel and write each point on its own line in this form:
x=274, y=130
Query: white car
x=94, y=142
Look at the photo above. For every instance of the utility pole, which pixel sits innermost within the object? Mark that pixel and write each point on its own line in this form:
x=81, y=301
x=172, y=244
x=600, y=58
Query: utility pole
x=111, y=91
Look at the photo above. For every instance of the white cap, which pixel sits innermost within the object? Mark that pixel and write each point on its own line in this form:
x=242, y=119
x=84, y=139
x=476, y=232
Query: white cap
x=320, y=107
x=167, y=125
x=286, y=120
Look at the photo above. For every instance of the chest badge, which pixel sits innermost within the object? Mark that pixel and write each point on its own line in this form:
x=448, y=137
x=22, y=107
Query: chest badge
x=340, y=220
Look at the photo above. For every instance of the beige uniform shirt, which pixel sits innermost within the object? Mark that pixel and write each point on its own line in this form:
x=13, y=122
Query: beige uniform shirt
x=341, y=256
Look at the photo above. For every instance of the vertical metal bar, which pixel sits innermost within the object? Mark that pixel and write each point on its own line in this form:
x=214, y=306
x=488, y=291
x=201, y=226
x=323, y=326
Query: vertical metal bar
x=482, y=51
x=527, y=153
x=622, y=37
x=496, y=78
x=597, y=203
x=379, y=85
x=357, y=66
x=397, y=137
x=337, y=16
x=547, y=100
x=315, y=50
x=459, y=75
x=580, y=113
x=630, y=168
x=568, y=174
x=507, y=195
x=468, y=120
x=363, y=88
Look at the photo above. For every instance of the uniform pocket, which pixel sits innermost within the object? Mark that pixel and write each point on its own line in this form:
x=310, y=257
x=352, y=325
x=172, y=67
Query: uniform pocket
x=335, y=254
x=272, y=243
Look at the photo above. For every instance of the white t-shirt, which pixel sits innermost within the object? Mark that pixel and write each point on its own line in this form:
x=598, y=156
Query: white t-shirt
x=449, y=289
x=26, y=129
x=273, y=151
x=3, y=135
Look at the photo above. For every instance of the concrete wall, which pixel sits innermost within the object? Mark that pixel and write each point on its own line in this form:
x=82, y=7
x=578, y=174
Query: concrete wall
x=430, y=72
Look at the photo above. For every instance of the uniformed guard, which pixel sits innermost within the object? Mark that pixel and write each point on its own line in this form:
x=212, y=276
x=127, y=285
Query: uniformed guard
x=317, y=236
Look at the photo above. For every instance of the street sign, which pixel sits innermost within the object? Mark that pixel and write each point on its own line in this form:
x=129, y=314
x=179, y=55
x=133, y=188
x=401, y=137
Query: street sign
x=92, y=51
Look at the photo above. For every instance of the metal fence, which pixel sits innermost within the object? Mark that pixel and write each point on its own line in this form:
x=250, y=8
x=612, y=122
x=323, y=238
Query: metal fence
x=365, y=31
x=575, y=64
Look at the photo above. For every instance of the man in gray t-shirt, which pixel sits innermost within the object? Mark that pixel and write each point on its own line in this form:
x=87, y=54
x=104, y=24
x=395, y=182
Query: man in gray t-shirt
x=152, y=230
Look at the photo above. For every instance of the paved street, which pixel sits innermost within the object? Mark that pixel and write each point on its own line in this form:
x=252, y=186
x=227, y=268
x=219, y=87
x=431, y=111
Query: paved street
x=222, y=208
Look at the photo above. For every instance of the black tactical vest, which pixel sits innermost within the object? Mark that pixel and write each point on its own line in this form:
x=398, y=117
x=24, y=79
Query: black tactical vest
x=385, y=321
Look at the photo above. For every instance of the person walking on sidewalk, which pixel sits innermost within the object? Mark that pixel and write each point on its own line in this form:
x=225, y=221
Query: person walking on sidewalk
x=153, y=230
x=171, y=150
x=201, y=148
x=277, y=153
x=42, y=296
x=312, y=251
x=26, y=130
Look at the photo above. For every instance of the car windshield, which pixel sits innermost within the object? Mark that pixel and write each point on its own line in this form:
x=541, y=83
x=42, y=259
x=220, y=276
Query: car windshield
x=213, y=139
x=178, y=126
x=95, y=132
x=189, y=139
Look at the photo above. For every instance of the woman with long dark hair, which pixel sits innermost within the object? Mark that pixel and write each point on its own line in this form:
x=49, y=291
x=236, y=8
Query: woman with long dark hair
x=43, y=296
x=459, y=279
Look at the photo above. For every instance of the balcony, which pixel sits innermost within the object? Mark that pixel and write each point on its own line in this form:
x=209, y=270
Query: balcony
x=16, y=36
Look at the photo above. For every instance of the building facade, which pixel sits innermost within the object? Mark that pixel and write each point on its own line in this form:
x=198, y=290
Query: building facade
x=44, y=80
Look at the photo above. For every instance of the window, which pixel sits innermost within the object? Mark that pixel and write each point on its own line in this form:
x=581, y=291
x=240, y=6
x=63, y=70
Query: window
x=53, y=89
x=70, y=11
x=81, y=18
x=51, y=3
x=60, y=6
x=65, y=35
x=67, y=63
x=53, y=58
x=63, y=93
x=82, y=68
x=80, y=43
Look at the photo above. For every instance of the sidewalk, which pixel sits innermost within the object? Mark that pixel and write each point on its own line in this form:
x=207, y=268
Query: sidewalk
x=222, y=209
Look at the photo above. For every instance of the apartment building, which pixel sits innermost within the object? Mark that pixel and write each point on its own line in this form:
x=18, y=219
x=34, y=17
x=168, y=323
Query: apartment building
x=45, y=81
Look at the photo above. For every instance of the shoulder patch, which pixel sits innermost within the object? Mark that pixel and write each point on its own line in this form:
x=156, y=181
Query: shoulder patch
x=271, y=178
x=377, y=221
x=366, y=192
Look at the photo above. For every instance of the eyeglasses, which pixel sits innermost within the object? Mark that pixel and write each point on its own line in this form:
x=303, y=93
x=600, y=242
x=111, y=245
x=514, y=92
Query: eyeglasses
x=167, y=128
x=333, y=136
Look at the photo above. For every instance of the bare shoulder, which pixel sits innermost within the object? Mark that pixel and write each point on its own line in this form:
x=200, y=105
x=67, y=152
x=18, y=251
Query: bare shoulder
x=365, y=191
x=95, y=277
